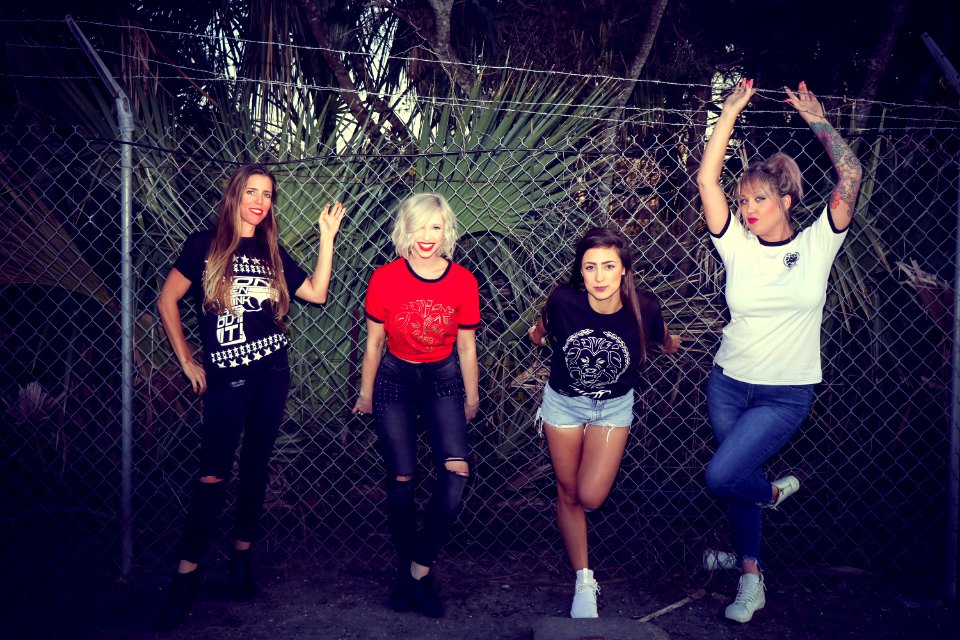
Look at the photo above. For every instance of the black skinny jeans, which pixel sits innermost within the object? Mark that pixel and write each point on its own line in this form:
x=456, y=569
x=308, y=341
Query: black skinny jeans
x=254, y=405
x=434, y=392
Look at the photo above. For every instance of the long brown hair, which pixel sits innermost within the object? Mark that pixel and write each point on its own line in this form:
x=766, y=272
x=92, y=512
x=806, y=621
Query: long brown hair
x=218, y=276
x=604, y=238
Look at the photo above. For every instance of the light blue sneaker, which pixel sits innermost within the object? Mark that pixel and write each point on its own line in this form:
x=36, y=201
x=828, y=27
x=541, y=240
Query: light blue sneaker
x=715, y=560
x=584, y=595
x=786, y=487
x=749, y=600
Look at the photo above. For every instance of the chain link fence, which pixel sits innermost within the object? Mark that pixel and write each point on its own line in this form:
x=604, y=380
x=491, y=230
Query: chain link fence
x=872, y=457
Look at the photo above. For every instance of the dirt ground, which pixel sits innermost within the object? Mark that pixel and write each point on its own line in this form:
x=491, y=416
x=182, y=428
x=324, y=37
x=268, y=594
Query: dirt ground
x=311, y=600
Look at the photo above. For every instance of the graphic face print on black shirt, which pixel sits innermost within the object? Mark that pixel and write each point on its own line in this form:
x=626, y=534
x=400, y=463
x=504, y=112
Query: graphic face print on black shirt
x=595, y=360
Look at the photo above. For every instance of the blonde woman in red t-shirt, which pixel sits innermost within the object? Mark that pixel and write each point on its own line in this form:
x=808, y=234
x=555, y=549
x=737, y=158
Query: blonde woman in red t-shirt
x=426, y=309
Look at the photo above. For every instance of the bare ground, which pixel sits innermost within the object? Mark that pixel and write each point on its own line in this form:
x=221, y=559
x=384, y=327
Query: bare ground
x=312, y=600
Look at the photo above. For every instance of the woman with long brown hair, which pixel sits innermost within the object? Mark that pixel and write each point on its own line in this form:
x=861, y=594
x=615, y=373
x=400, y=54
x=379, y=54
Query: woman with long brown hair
x=600, y=326
x=242, y=280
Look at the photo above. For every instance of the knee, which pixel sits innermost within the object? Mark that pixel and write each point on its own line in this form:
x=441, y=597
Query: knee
x=567, y=494
x=591, y=500
x=457, y=466
x=718, y=482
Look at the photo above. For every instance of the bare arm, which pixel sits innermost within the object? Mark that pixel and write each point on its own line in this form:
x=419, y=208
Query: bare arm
x=470, y=370
x=174, y=288
x=315, y=288
x=376, y=337
x=716, y=211
x=671, y=343
x=843, y=200
x=538, y=333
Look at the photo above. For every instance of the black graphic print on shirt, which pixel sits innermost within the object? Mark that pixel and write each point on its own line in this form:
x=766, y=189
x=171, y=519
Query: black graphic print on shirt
x=596, y=355
x=247, y=335
x=250, y=294
x=595, y=359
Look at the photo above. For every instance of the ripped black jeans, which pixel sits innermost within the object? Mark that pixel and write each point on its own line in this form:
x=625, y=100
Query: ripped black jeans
x=254, y=406
x=402, y=392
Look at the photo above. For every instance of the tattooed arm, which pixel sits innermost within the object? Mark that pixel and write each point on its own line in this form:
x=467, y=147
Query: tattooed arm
x=843, y=200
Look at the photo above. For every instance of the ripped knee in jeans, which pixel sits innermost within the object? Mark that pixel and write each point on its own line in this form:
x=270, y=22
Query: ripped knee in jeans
x=457, y=466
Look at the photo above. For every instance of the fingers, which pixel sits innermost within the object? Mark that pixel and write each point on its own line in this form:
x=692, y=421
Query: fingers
x=470, y=410
x=336, y=209
x=802, y=94
x=674, y=344
x=362, y=407
x=804, y=101
x=740, y=95
x=332, y=215
x=197, y=377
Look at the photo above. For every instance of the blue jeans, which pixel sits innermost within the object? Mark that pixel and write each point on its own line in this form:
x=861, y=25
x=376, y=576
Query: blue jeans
x=433, y=391
x=751, y=423
x=572, y=412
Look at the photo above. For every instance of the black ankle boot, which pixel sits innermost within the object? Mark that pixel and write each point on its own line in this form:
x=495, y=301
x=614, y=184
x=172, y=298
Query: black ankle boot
x=400, y=599
x=183, y=589
x=425, y=598
x=242, y=584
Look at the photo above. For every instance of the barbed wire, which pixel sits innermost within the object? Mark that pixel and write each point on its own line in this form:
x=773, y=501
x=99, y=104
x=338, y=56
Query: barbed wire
x=477, y=68
x=639, y=114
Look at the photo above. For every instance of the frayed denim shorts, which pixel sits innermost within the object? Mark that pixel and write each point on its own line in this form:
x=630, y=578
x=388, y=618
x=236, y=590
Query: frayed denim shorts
x=569, y=412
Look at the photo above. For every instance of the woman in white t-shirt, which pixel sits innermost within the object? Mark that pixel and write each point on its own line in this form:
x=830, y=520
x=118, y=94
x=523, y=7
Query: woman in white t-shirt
x=761, y=386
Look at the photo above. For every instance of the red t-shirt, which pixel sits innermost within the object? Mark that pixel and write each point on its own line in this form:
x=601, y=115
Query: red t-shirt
x=421, y=317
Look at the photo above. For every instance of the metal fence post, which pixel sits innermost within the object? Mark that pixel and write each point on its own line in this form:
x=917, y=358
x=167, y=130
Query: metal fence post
x=953, y=481
x=125, y=124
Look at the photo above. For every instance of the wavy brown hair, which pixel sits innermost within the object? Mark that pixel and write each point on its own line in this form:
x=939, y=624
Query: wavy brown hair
x=218, y=275
x=605, y=238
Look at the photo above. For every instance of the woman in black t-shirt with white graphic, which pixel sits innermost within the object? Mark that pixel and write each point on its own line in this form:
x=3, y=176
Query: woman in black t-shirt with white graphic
x=599, y=326
x=242, y=280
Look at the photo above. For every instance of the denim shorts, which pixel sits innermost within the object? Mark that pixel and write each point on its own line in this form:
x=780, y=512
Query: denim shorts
x=569, y=412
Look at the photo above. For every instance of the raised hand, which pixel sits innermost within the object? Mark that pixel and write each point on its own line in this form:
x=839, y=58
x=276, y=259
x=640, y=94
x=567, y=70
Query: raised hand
x=806, y=104
x=330, y=218
x=739, y=97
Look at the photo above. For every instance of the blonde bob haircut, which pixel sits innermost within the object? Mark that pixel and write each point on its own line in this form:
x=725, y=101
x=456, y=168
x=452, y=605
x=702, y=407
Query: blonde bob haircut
x=413, y=215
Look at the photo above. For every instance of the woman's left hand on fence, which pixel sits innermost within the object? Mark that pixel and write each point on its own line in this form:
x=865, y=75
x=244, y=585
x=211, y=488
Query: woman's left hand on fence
x=330, y=219
x=805, y=103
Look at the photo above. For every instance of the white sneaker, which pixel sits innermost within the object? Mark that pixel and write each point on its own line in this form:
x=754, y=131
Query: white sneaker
x=749, y=600
x=715, y=560
x=786, y=486
x=585, y=595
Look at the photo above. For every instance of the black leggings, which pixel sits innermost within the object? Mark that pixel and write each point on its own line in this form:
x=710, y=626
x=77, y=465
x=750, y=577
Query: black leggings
x=254, y=405
x=434, y=391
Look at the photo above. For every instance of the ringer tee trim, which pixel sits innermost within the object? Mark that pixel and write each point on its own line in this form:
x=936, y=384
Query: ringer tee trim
x=421, y=278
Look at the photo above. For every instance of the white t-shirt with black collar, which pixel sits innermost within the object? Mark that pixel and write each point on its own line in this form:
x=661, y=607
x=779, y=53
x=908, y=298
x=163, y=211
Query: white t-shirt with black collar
x=775, y=293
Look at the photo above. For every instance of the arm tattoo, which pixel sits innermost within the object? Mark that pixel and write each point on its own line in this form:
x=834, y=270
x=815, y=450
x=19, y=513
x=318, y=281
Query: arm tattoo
x=844, y=161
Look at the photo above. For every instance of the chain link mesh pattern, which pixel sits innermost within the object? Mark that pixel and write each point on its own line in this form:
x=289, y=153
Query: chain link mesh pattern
x=871, y=457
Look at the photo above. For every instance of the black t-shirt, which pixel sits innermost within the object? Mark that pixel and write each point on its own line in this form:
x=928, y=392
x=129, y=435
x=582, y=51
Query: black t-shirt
x=246, y=338
x=595, y=354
